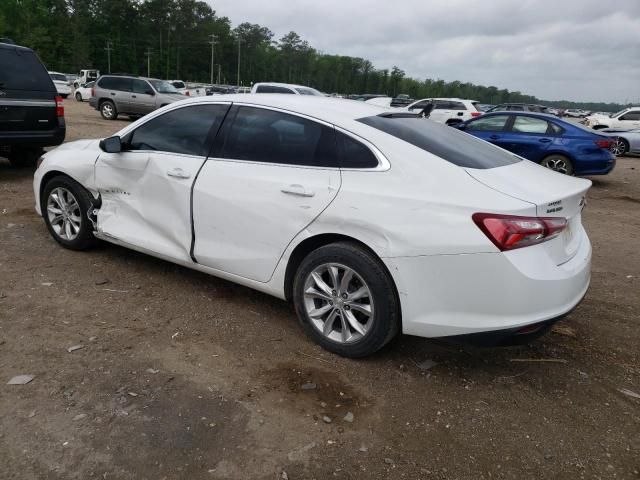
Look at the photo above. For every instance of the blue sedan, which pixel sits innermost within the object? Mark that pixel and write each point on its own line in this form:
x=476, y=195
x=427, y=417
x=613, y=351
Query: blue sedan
x=553, y=143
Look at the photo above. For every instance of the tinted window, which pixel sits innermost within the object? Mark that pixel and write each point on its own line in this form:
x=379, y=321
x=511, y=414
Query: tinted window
x=184, y=130
x=446, y=142
x=272, y=89
x=494, y=123
x=163, y=87
x=516, y=108
x=354, y=154
x=178, y=84
x=22, y=70
x=420, y=105
x=631, y=116
x=58, y=76
x=140, y=86
x=262, y=135
x=122, y=84
x=457, y=106
x=441, y=105
x=309, y=91
x=524, y=124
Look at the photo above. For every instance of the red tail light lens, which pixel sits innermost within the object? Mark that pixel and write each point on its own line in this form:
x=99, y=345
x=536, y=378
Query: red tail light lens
x=186, y=92
x=59, y=107
x=604, y=143
x=508, y=232
x=476, y=114
x=93, y=91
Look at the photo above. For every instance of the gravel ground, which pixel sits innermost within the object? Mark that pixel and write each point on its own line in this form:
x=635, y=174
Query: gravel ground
x=182, y=375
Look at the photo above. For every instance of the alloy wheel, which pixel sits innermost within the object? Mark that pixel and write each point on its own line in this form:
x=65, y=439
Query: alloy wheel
x=107, y=110
x=63, y=211
x=619, y=147
x=338, y=302
x=557, y=164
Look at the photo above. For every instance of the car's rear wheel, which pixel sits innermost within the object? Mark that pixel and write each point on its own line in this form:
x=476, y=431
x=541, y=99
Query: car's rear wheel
x=24, y=157
x=78, y=97
x=619, y=147
x=558, y=163
x=346, y=300
x=108, y=110
x=65, y=205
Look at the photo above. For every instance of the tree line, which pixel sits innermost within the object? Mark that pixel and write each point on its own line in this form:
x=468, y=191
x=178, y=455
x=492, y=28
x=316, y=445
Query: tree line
x=172, y=39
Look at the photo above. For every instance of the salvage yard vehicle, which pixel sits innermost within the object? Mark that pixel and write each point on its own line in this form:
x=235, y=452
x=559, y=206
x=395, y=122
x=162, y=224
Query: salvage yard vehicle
x=625, y=141
x=553, y=143
x=628, y=119
x=86, y=76
x=83, y=92
x=449, y=111
x=61, y=83
x=271, y=87
x=113, y=95
x=31, y=111
x=370, y=222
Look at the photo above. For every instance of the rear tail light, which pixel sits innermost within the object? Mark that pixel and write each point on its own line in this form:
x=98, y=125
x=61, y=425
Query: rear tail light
x=476, y=114
x=604, y=143
x=59, y=107
x=93, y=91
x=508, y=232
x=186, y=92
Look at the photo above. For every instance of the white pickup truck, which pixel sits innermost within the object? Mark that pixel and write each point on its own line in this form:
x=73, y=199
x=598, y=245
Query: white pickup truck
x=189, y=89
x=626, y=119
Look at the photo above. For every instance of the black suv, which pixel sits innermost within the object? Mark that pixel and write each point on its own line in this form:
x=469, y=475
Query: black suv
x=31, y=112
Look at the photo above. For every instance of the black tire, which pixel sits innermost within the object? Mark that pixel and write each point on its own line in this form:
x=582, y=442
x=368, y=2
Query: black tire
x=84, y=237
x=386, y=307
x=108, y=110
x=558, y=163
x=64, y=95
x=24, y=157
x=78, y=97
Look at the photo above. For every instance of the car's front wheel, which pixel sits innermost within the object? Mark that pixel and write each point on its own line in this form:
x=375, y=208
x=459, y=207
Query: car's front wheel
x=108, y=110
x=346, y=300
x=620, y=146
x=65, y=205
x=78, y=97
x=558, y=163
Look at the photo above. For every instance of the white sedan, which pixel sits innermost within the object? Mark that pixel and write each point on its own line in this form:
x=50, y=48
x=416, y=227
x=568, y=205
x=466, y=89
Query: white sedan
x=370, y=223
x=84, y=92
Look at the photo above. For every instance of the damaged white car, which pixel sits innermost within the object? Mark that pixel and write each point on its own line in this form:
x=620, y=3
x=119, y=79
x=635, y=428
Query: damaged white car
x=370, y=223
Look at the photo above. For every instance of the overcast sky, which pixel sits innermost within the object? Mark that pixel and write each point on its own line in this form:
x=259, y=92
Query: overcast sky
x=554, y=49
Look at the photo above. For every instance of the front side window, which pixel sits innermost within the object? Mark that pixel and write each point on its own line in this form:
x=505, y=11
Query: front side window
x=524, y=124
x=262, y=135
x=631, y=116
x=494, y=123
x=141, y=86
x=184, y=130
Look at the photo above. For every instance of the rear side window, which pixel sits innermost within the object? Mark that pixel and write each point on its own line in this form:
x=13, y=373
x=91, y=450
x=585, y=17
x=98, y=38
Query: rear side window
x=493, y=123
x=441, y=105
x=122, y=84
x=446, y=142
x=140, y=86
x=524, y=124
x=631, y=116
x=272, y=89
x=184, y=130
x=457, y=106
x=262, y=135
x=354, y=154
x=22, y=70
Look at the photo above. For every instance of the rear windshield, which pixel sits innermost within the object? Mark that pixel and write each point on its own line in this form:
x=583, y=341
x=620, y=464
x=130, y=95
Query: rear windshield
x=477, y=106
x=22, y=70
x=178, y=84
x=309, y=91
x=446, y=142
x=58, y=76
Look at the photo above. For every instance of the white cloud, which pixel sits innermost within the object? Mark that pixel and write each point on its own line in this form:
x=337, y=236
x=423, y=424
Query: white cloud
x=554, y=49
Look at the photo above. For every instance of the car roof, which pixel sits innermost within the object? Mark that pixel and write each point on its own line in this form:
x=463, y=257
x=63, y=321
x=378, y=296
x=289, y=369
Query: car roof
x=545, y=116
x=329, y=109
x=13, y=45
x=277, y=84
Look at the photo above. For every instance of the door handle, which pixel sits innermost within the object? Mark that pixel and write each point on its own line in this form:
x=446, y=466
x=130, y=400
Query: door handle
x=298, y=190
x=113, y=93
x=494, y=137
x=545, y=140
x=178, y=173
x=133, y=96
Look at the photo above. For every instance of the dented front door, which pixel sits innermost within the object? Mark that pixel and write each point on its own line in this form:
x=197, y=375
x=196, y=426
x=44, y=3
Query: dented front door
x=146, y=200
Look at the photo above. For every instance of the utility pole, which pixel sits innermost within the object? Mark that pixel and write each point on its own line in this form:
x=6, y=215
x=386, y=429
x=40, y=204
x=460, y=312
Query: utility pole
x=109, y=48
x=219, y=67
x=148, y=55
x=213, y=41
x=239, y=42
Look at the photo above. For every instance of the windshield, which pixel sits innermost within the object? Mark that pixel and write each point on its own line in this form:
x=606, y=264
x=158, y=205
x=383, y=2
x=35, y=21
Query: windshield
x=618, y=113
x=309, y=91
x=58, y=76
x=162, y=86
x=444, y=141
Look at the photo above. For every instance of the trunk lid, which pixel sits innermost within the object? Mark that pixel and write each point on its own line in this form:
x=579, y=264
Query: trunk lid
x=553, y=194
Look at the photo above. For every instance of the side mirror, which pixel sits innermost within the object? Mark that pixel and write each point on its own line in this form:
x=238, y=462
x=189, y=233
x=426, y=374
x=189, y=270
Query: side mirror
x=149, y=92
x=111, y=145
x=461, y=126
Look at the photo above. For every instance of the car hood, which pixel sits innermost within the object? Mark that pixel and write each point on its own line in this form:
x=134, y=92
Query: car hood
x=80, y=145
x=173, y=97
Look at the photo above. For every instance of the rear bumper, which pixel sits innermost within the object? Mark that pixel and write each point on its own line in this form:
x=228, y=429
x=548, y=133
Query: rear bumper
x=597, y=166
x=29, y=139
x=453, y=295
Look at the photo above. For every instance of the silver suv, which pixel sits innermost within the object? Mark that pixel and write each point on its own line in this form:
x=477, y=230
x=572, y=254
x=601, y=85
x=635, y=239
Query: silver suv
x=133, y=96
